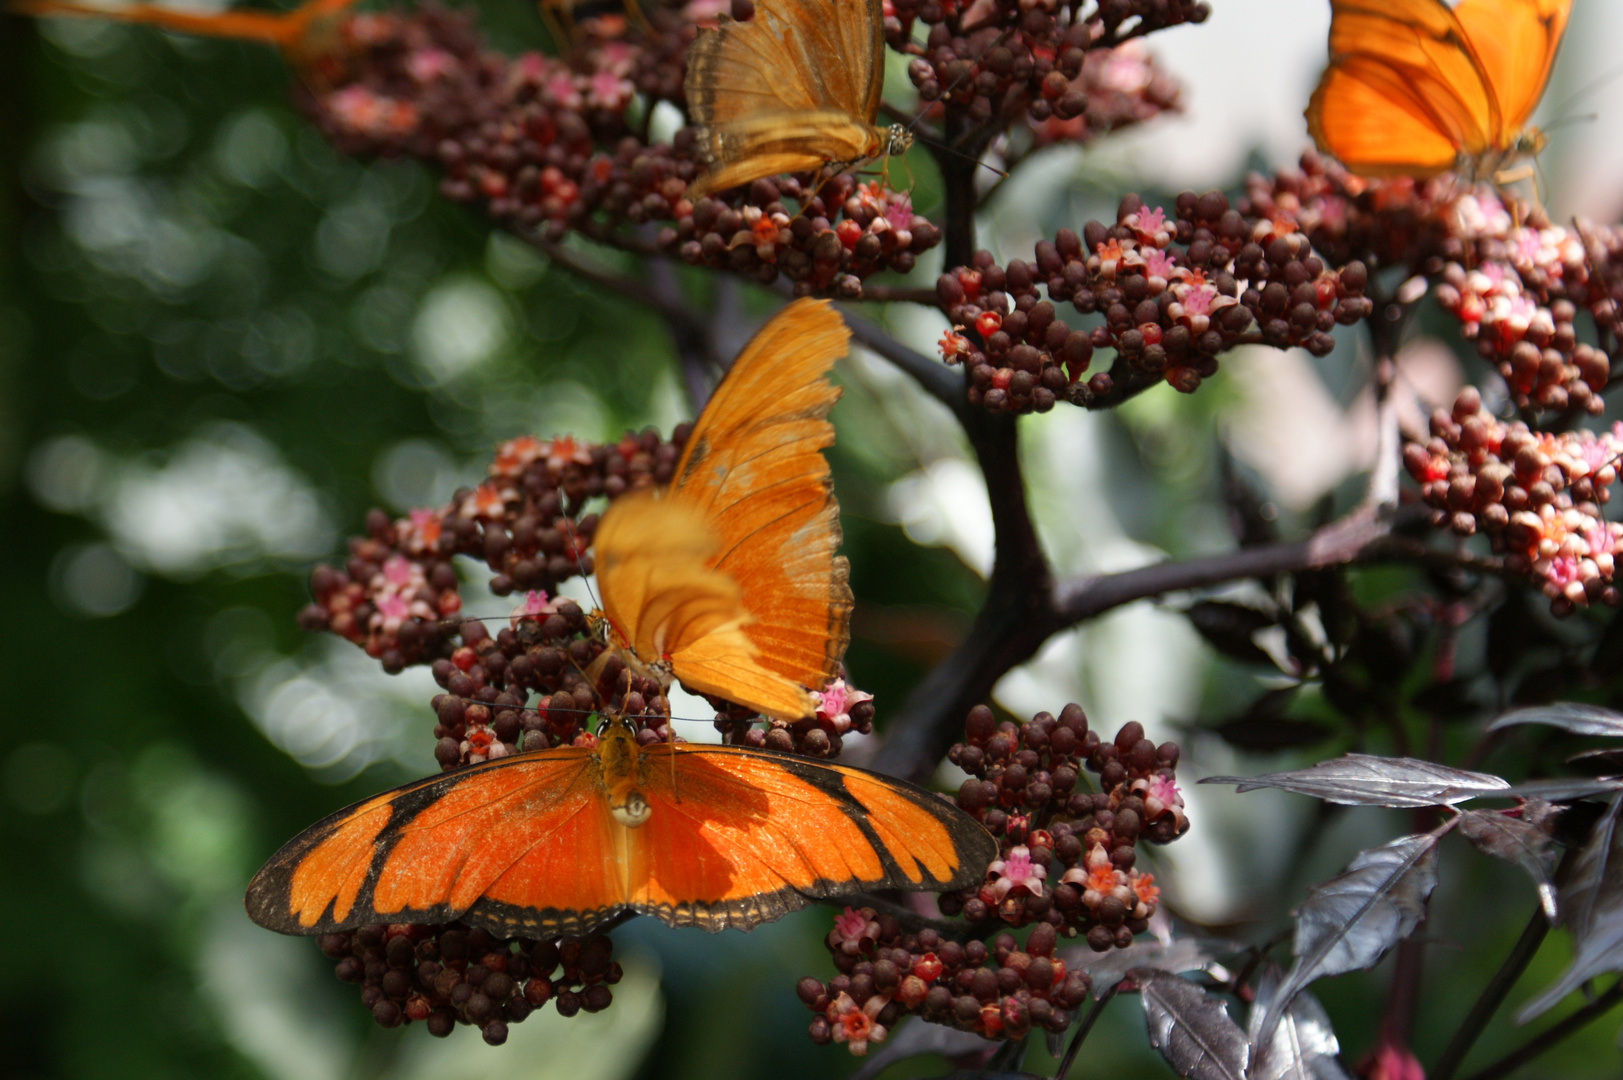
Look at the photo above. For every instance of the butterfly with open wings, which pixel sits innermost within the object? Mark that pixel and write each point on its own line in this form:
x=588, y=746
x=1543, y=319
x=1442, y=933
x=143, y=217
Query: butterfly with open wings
x=727, y=579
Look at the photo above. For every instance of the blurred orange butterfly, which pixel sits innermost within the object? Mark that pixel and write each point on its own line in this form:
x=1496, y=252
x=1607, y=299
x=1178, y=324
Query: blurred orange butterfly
x=795, y=88
x=727, y=580
x=1415, y=88
x=308, y=36
x=565, y=841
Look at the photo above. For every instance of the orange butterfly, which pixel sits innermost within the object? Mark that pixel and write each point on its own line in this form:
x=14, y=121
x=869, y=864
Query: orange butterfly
x=727, y=579
x=308, y=36
x=1415, y=88
x=564, y=841
x=795, y=88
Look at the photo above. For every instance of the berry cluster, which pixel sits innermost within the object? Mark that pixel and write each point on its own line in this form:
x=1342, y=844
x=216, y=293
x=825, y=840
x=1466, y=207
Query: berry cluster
x=1023, y=786
x=998, y=61
x=1174, y=293
x=1515, y=282
x=548, y=144
x=999, y=990
x=1537, y=495
x=1123, y=86
x=446, y=975
x=524, y=522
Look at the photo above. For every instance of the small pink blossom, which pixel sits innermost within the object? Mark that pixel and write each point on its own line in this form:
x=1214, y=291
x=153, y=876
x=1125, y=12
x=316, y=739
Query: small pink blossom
x=855, y=931
x=560, y=89
x=1015, y=871
x=607, y=90
x=427, y=65
x=397, y=570
x=834, y=704
x=535, y=605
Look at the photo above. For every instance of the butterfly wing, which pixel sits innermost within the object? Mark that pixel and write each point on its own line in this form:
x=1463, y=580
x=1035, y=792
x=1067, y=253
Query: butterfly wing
x=1515, y=43
x=285, y=31
x=522, y=845
x=1405, y=93
x=741, y=837
x=661, y=592
x=794, y=87
x=754, y=467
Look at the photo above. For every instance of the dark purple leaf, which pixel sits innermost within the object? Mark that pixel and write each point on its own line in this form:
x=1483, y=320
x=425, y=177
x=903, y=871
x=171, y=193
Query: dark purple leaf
x=1591, y=902
x=1524, y=842
x=1348, y=922
x=1303, y=1046
x=1190, y=1028
x=1228, y=628
x=1568, y=716
x=1366, y=780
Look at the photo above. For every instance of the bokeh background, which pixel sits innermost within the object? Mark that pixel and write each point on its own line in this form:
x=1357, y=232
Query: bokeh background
x=220, y=343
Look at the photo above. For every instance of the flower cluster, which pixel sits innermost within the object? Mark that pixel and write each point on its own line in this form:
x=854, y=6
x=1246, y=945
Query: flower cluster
x=1066, y=868
x=1516, y=283
x=1537, y=495
x=446, y=975
x=997, y=60
x=1123, y=86
x=1022, y=786
x=547, y=145
x=1002, y=989
x=1174, y=292
x=524, y=522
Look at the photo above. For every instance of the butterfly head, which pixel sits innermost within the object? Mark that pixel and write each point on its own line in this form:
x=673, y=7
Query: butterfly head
x=898, y=140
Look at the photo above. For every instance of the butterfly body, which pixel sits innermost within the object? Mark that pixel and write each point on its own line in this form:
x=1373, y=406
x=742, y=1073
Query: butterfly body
x=795, y=88
x=569, y=840
x=1417, y=88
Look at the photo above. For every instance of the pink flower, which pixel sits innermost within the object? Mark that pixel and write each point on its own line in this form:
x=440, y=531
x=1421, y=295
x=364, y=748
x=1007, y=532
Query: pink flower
x=392, y=611
x=899, y=211
x=855, y=931
x=560, y=89
x=1016, y=871
x=1158, y=264
x=427, y=65
x=514, y=454
x=607, y=90
x=857, y=1027
x=1161, y=796
x=534, y=606
x=397, y=570
x=835, y=701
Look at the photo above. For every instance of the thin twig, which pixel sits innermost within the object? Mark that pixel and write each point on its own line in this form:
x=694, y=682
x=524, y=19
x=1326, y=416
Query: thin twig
x=939, y=381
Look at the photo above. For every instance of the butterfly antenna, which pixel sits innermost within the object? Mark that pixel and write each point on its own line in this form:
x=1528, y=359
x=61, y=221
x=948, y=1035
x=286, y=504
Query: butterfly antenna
x=580, y=565
x=1584, y=91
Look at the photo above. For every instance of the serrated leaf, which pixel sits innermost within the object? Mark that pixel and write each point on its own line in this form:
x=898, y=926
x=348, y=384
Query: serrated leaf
x=1591, y=901
x=1518, y=841
x=1182, y=954
x=1190, y=1028
x=1303, y=1046
x=1367, y=780
x=1228, y=628
x=1349, y=922
x=1570, y=716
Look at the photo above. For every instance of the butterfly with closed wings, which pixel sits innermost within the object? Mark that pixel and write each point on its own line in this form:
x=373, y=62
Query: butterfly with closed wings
x=1416, y=87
